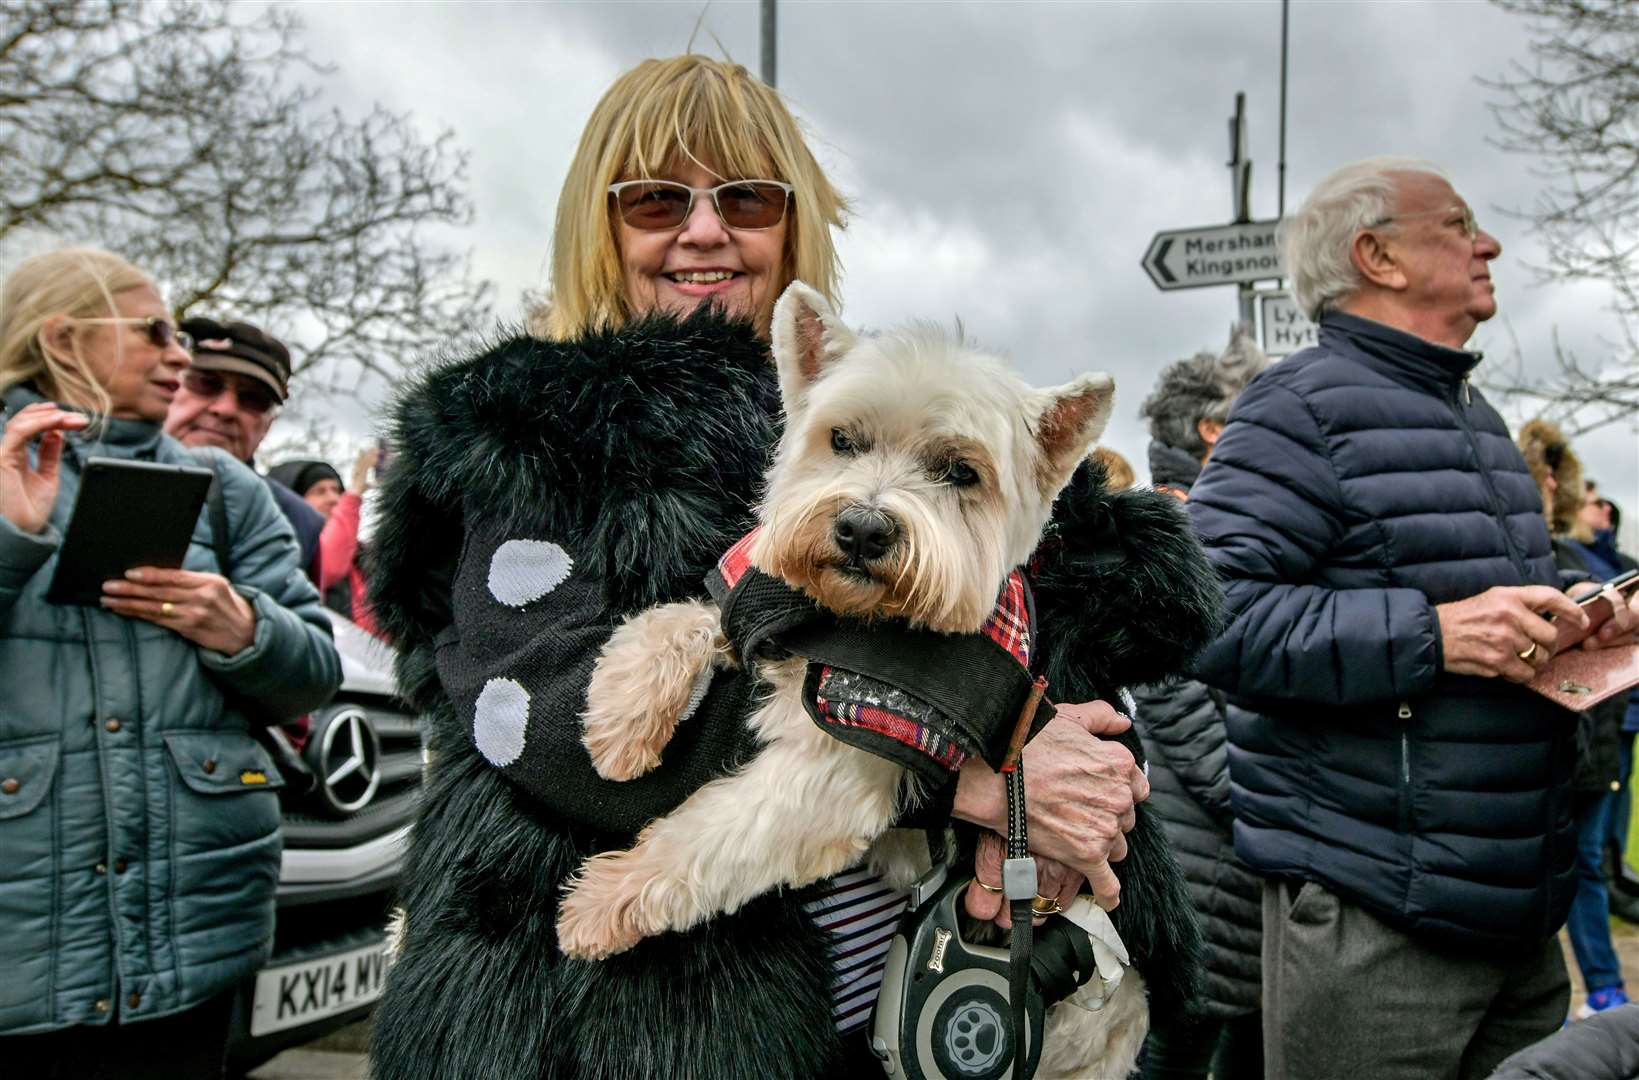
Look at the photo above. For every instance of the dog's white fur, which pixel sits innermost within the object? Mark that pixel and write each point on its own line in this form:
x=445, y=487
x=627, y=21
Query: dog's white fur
x=882, y=422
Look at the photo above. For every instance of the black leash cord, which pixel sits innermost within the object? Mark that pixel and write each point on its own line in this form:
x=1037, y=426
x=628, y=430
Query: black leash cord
x=1019, y=882
x=1019, y=876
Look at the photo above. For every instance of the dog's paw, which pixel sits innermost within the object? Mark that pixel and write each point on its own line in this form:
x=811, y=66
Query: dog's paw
x=597, y=916
x=616, y=752
x=653, y=672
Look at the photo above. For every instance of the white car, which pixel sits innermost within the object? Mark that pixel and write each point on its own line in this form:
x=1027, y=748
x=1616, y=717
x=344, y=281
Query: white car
x=343, y=846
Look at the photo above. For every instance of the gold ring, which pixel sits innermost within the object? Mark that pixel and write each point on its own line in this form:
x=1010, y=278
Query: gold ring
x=166, y=608
x=1045, y=905
x=1528, y=653
x=987, y=888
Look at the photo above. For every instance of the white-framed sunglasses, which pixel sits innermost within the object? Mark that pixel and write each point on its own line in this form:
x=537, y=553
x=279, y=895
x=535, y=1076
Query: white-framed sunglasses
x=656, y=205
x=160, y=332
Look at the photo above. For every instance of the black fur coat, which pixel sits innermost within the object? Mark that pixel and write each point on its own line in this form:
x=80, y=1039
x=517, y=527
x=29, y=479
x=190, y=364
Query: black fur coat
x=642, y=449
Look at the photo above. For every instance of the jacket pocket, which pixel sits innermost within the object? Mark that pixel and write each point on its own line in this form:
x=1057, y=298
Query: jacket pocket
x=27, y=768
x=1311, y=904
x=222, y=762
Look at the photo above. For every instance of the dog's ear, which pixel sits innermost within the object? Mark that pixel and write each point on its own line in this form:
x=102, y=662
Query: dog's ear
x=1071, y=419
x=807, y=336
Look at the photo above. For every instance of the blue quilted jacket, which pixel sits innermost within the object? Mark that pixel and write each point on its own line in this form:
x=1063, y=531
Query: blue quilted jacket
x=1358, y=484
x=139, y=826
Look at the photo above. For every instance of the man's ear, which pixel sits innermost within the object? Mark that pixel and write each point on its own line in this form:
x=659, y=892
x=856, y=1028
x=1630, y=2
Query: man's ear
x=807, y=337
x=1376, y=261
x=1071, y=419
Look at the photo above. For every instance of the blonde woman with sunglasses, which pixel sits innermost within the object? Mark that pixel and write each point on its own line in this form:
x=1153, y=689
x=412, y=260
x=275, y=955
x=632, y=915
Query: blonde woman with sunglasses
x=138, y=815
x=552, y=484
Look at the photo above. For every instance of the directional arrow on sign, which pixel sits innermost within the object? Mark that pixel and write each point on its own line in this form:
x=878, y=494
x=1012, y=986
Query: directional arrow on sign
x=1213, y=255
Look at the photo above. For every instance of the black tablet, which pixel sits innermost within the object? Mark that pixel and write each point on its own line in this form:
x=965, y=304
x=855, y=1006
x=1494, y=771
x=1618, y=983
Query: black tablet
x=127, y=514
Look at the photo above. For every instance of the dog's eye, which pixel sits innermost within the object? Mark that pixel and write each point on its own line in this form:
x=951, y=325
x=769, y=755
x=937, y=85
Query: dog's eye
x=960, y=474
x=840, y=442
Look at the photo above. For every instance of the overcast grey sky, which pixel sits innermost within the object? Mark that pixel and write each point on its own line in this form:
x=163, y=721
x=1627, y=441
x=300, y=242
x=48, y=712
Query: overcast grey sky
x=1008, y=162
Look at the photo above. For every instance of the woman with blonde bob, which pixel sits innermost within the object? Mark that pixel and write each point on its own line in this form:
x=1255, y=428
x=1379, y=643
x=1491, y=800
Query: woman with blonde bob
x=540, y=492
x=137, y=812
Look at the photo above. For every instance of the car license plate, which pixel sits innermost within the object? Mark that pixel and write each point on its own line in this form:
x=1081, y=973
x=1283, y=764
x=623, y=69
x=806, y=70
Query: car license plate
x=295, y=994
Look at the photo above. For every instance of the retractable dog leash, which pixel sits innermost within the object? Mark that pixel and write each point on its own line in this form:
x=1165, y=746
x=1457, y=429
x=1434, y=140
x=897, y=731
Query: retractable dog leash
x=953, y=1010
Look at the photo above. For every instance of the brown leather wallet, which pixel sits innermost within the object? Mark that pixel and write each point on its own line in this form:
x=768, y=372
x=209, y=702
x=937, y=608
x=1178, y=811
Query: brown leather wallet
x=1579, y=679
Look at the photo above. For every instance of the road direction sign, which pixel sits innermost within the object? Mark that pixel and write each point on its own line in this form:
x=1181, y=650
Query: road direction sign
x=1213, y=255
x=1285, y=328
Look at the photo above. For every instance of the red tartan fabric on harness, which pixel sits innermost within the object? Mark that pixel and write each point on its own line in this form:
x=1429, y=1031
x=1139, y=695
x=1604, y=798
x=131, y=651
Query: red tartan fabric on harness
x=847, y=699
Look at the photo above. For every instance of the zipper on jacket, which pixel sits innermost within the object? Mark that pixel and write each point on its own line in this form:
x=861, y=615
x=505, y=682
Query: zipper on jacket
x=1405, y=769
x=1498, y=510
x=1468, y=392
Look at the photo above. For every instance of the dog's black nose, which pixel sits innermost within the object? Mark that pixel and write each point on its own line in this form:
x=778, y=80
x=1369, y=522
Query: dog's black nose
x=864, y=535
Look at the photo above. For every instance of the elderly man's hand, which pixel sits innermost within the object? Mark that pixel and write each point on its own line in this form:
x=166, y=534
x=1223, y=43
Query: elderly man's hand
x=1503, y=631
x=1080, y=794
x=1622, y=628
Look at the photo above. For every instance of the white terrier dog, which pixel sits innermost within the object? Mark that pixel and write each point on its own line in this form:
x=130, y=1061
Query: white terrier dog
x=914, y=474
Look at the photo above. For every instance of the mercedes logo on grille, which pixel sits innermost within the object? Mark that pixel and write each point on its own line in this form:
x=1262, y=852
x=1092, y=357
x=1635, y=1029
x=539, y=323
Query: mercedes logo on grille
x=349, y=764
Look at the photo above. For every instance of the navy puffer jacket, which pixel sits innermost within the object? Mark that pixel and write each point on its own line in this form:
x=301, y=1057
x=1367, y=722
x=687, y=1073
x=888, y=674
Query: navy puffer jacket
x=1358, y=484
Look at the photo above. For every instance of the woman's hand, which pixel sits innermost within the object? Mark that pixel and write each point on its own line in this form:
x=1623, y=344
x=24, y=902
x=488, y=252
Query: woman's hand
x=28, y=492
x=1080, y=791
x=362, y=465
x=204, y=608
x=1054, y=880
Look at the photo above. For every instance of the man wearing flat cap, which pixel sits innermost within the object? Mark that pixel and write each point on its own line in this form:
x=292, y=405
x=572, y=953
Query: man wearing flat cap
x=229, y=396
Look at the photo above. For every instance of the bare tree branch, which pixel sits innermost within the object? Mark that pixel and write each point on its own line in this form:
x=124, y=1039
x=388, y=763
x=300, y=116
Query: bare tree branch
x=1573, y=108
x=182, y=136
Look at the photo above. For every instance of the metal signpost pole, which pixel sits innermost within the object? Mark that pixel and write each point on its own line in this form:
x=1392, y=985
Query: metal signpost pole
x=768, y=41
x=1240, y=253
x=1240, y=179
x=1280, y=197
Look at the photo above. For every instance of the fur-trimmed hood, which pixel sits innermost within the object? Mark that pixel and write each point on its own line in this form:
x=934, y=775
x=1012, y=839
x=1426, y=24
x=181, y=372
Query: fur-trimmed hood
x=1548, y=453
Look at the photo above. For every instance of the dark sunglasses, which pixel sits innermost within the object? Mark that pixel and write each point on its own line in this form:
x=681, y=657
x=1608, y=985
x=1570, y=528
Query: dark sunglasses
x=208, y=384
x=161, y=333
x=654, y=205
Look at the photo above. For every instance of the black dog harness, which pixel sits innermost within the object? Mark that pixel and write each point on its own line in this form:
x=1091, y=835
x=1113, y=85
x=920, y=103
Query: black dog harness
x=922, y=699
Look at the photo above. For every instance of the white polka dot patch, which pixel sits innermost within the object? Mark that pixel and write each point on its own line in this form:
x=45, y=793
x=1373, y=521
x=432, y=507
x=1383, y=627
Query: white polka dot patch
x=525, y=570
x=499, y=719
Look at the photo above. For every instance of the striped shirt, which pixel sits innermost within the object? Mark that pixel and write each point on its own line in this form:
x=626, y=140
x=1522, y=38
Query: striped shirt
x=861, y=912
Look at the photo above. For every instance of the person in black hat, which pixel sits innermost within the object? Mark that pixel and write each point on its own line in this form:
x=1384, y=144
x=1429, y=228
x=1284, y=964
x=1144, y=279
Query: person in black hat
x=229, y=397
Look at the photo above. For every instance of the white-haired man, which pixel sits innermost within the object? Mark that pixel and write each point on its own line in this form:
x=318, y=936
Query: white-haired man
x=1389, y=578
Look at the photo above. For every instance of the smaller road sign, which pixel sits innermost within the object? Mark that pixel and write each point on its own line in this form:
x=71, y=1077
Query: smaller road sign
x=1213, y=255
x=1285, y=329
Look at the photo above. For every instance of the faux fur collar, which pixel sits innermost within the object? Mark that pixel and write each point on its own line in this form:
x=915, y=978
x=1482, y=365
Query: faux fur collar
x=644, y=445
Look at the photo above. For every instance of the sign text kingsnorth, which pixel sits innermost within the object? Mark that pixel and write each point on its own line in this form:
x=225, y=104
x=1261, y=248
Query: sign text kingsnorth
x=1231, y=254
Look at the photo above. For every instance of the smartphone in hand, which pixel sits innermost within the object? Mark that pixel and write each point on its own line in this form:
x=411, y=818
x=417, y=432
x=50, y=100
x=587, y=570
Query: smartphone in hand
x=1597, y=606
